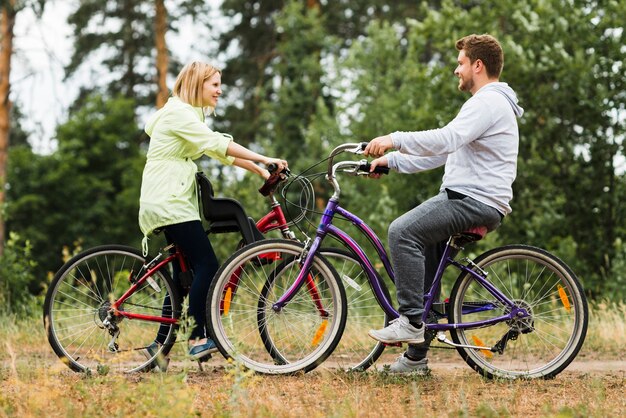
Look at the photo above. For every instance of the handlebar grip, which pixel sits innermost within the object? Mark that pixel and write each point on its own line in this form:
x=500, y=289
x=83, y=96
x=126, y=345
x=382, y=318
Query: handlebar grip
x=272, y=168
x=274, y=180
x=378, y=170
x=364, y=145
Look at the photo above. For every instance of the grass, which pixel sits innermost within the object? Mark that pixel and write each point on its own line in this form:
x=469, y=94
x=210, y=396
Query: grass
x=33, y=382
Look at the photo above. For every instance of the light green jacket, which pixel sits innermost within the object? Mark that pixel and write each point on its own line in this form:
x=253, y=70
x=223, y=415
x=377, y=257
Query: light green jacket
x=178, y=135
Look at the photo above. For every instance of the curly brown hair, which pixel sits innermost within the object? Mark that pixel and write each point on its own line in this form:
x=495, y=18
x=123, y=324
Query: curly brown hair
x=485, y=48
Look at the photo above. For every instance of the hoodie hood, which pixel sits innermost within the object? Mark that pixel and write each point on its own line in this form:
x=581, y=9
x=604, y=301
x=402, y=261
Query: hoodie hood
x=506, y=91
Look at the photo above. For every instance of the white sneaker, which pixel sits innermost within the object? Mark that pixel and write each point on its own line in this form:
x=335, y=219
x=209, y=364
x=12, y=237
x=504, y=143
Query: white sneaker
x=399, y=331
x=404, y=364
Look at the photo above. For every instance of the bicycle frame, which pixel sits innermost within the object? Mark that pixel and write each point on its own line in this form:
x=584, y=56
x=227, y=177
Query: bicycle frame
x=177, y=255
x=274, y=219
x=326, y=227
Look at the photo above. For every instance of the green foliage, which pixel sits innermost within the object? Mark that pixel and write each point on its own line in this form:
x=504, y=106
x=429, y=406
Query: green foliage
x=16, y=275
x=563, y=59
x=276, y=42
x=84, y=193
x=121, y=35
x=298, y=70
x=308, y=76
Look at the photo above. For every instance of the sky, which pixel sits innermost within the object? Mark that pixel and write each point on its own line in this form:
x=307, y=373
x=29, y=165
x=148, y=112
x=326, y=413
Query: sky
x=41, y=50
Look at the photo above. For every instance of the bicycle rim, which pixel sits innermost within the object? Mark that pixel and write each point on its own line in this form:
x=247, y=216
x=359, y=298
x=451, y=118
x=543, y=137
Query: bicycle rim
x=79, y=298
x=356, y=350
x=246, y=328
x=539, y=346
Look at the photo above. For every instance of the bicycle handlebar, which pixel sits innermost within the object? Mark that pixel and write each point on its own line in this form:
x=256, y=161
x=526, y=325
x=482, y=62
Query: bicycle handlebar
x=366, y=167
x=274, y=180
x=355, y=148
x=352, y=167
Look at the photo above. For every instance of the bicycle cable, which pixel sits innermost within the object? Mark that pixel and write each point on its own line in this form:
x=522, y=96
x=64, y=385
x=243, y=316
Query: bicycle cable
x=310, y=191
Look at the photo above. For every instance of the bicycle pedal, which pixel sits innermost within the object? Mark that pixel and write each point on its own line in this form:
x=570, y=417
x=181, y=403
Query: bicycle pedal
x=392, y=344
x=204, y=359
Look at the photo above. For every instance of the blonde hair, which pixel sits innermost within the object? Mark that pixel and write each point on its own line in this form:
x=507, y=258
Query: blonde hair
x=188, y=85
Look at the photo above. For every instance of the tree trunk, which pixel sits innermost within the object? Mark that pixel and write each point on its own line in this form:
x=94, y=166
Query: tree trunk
x=162, y=59
x=7, y=21
x=312, y=4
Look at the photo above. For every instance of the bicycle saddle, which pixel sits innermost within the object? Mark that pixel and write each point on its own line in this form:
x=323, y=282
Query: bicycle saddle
x=471, y=235
x=224, y=214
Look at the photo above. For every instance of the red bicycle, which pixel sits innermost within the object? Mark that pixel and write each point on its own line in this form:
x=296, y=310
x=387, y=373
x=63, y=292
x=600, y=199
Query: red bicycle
x=105, y=306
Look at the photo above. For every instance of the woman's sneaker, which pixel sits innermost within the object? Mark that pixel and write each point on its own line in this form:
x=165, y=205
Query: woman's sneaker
x=404, y=364
x=200, y=351
x=160, y=362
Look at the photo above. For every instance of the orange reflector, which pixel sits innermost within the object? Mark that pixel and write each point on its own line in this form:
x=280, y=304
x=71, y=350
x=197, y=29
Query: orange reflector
x=564, y=298
x=227, y=297
x=320, y=333
x=477, y=341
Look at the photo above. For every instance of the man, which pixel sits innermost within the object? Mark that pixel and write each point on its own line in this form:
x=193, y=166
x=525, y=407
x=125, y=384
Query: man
x=479, y=149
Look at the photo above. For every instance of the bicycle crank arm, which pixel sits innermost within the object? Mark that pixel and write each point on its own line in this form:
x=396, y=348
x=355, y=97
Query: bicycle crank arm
x=441, y=337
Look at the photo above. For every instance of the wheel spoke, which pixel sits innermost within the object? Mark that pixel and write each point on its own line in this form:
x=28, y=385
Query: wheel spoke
x=548, y=339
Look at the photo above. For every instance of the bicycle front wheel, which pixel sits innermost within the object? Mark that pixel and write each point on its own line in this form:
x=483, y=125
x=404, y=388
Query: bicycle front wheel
x=538, y=346
x=356, y=351
x=244, y=325
x=78, y=302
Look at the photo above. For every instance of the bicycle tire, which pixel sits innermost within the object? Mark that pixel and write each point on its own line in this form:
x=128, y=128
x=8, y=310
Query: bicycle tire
x=77, y=302
x=356, y=350
x=540, y=346
x=302, y=337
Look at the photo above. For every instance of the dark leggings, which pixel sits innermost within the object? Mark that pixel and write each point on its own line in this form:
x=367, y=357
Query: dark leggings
x=192, y=240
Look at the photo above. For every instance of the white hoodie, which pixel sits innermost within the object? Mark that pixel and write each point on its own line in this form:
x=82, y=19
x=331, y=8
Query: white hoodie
x=479, y=148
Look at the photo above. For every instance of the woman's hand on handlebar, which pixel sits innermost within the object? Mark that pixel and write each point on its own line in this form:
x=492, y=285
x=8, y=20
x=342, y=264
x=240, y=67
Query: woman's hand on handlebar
x=280, y=164
x=265, y=174
x=378, y=162
x=378, y=146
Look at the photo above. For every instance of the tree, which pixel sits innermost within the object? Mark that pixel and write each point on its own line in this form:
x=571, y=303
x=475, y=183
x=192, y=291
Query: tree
x=253, y=73
x=8, y=13
x=7, y=21
x=162, y=58
x=125, y=35
x=86, y=192
x=571, y=86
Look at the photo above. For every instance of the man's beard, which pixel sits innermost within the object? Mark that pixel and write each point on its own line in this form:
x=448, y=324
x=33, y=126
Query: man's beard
x=467, y=85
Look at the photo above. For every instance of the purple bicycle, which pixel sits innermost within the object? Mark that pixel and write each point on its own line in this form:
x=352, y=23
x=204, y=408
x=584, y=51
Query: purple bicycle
x=514, y=312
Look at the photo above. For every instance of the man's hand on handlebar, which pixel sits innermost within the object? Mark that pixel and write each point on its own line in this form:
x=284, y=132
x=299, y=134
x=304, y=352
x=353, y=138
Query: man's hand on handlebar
x=378, y=146
x=378, y=162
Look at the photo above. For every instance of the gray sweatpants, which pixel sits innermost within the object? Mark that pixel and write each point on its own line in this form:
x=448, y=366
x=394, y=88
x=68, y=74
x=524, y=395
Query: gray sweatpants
x=415, y=241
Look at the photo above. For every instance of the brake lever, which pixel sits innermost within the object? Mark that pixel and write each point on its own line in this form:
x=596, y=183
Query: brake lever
x=354, y=170
x=359, y=149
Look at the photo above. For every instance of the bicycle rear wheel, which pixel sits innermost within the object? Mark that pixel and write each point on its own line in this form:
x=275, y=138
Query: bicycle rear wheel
x=80, y=297
x=356, y=350
x=240, y=309
x=539, y=346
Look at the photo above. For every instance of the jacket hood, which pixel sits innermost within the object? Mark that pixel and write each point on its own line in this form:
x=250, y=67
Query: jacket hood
x=152, y=121
x=506, y=91
x=172, y=104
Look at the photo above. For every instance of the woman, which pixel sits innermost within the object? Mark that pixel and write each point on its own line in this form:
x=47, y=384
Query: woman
x=168, y=202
